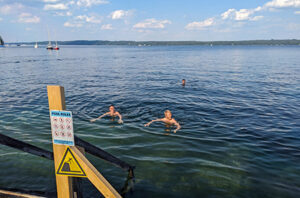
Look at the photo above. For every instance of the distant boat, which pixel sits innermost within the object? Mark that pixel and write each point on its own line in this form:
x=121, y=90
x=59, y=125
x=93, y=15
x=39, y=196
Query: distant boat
x=49, y=46
x=18, y=44
x=1, y=42
x=36, y=45
x=56, y=47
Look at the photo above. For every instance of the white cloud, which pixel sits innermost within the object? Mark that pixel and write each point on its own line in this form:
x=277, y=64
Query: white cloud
x=80, y=20
x=200, y=25
x=245, y=14
x=28, y=18
x=256, y=18
x=1, y=19
x=59, y=6
x=81, y=17
x=50, y=1
x=119, y=14
x=89, y=3
x=152, y=23
x=91, y=19
x=283, y=3
x=228, y=13
x=68, y=24
x=106, y=27
x=11, y=8
x=242, y=14
x=68, y=13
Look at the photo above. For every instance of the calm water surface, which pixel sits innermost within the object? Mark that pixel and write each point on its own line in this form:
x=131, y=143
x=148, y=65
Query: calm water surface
x=239, y=114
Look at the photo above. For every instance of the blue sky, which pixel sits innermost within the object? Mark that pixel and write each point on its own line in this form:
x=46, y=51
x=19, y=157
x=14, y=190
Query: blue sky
x=143, y=20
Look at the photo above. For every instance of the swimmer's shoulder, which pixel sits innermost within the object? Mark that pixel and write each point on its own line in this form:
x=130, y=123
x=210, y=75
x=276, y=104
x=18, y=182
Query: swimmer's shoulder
x=116, y=114
x=173, y=121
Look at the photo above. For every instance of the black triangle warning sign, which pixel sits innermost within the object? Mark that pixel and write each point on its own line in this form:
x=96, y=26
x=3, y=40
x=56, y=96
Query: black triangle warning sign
x=69, y=166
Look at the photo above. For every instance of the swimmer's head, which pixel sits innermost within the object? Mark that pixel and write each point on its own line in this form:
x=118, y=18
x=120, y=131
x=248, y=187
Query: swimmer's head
x=168, y=114
x=111, y=108
x=183, y=82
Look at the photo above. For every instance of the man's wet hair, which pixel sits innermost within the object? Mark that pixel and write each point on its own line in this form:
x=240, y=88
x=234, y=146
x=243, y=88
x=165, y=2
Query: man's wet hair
x=167, y=111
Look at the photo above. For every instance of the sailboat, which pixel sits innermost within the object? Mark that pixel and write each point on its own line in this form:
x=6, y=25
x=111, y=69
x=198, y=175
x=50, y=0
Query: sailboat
x=49, y=46
x=1, y=42
x=36, y=45
x=56, y=46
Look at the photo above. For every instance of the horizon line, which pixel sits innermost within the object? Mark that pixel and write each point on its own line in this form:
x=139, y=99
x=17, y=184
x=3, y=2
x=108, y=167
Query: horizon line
x=204, y=41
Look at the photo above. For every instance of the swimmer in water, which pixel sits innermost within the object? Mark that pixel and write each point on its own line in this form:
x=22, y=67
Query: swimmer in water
x=183, y=82
x=168, y=120
x=112, y=112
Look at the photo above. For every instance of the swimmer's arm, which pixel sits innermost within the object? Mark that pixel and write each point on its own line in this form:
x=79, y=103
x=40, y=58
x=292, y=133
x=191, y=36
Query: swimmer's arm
x=93, y=120
x=120, y=118
x=148, y=124
x=177, y=125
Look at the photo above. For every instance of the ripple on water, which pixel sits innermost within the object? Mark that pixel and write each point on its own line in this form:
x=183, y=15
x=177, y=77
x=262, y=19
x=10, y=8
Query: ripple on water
x=239, y=114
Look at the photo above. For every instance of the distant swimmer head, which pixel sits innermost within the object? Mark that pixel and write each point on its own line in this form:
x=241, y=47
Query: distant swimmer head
x=111, y=108
x=168, y=114
x=183, y=82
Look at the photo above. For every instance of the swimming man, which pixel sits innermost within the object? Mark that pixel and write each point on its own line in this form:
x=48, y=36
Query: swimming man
x=112, y=112
x=168, y=120
x=183, y=82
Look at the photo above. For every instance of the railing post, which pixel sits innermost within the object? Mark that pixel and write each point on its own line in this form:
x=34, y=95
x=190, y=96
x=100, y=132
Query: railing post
x=56, y=99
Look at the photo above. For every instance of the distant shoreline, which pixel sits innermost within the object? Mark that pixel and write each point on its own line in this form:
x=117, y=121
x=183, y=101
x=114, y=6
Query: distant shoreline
x=169, y=43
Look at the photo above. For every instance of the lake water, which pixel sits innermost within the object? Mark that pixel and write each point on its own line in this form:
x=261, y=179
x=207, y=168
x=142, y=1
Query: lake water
x=239, y=113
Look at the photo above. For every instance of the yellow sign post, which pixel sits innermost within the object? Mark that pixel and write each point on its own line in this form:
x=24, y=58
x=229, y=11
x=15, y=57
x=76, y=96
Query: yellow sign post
x=56, y=99
x=69, y=165
x=70, y=162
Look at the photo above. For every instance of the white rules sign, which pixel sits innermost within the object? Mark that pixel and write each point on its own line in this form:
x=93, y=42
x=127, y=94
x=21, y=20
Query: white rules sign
x=62, y=127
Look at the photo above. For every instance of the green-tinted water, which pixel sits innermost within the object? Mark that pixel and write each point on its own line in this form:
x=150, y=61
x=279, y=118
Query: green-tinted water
x=239, y=114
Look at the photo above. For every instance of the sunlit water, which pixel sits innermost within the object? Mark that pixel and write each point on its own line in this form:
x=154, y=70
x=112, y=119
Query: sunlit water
x=239, y=111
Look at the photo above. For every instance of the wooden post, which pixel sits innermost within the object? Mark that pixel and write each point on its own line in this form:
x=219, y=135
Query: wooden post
x=56, y=99
x=95, y=176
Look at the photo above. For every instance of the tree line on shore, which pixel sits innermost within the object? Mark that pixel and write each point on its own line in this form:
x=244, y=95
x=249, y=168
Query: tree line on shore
x=166, y=43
